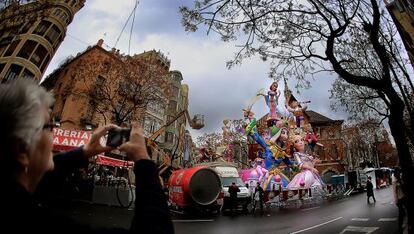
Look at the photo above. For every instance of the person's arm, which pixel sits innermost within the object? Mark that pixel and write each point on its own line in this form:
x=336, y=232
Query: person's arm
x=151, y=209
x=67, y=162
x=152, y=214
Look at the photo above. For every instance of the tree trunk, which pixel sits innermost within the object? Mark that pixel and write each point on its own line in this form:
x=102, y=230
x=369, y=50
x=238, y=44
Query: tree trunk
x=397, y=127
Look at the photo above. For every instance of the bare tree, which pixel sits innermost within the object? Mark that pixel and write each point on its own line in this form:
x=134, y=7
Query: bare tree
x=303, y=38
x=362, y=139
x=122, y=90
x=127, y=88
x=215, y=142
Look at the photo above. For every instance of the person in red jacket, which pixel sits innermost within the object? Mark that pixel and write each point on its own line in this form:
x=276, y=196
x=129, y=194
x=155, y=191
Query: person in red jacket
x=233, y=190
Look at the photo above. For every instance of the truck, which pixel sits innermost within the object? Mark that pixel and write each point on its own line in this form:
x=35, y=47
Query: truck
x=195, y=190
x=228, y=174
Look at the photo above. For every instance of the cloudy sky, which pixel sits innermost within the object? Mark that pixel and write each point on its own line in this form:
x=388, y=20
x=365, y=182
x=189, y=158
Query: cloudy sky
x=215, y=91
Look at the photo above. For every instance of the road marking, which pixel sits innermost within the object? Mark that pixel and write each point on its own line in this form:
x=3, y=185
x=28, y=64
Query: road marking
x=366, y=230
x=360, y=219
x=192, y=220
x=309, y=228
x=387, y=219
x=311, y=208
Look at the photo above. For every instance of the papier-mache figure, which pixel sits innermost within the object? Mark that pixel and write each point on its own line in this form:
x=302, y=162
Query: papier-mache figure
x=312, y=139
x=297, y=110
x=278, y=149
x=261, y=171
x=226, y=129
x=272, y=99
x=308, y=176
x=251, y=131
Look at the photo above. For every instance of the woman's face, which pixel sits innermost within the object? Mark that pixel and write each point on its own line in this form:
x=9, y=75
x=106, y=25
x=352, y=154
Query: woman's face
x=273, y=87
x=298, y=144
x=283, y=134
x=41, y=158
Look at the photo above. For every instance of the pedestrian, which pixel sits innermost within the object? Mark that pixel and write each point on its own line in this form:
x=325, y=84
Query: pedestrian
x=233, y=190
x=28, y=166
x=246, y=203
x=258, y=198
x=370, y=190
x=400, y=200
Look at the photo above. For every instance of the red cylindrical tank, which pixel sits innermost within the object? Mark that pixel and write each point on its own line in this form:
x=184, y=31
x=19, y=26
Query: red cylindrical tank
x=199, y=185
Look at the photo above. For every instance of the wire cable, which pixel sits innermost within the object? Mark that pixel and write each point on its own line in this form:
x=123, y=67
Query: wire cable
x=123, y=28
x=132, y=27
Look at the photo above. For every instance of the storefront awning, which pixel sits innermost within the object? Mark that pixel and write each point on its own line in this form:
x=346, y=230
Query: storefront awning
x=103, y=160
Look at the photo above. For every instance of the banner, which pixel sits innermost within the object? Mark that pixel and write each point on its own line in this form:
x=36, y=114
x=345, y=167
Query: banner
x=67, y=139
x=103, y=160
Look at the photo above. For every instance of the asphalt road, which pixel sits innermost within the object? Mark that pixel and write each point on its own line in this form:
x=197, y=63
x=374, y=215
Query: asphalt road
x=345, y=216
x=349, y=215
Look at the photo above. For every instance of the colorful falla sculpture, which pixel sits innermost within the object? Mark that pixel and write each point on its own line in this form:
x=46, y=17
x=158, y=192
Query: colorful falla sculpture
x=283, y=142
x=308, y=175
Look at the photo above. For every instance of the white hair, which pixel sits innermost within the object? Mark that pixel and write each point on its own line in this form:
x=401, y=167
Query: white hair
x=22, y=103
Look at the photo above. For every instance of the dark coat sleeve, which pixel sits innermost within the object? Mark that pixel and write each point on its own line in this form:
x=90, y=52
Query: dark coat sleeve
x=151, y=210
x=65, y=164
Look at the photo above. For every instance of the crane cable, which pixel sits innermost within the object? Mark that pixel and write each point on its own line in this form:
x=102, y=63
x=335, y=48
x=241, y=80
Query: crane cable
x=123, y=28
x=132, y=27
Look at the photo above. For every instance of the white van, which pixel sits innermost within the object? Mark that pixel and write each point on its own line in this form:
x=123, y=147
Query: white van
x=228, y=174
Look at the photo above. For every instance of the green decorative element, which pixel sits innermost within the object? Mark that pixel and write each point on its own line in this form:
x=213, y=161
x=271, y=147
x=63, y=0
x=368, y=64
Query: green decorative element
x=251, y=127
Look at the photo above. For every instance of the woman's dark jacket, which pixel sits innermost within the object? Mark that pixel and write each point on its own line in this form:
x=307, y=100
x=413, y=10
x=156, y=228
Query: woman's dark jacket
x=22, y=213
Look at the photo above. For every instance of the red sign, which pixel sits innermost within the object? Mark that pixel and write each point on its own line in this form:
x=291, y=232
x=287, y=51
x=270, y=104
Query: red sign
x=67, y=139
x=103, y=160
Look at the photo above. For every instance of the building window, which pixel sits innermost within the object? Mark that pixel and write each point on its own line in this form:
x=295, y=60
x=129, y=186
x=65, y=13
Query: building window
x=2, y=65
x=53, y=34
x=2, y=49
x=45, y=63
x=61, y=15
x=26, y=27
x=27, y=49
x=169, y=137
x=334, y=152
x=58, y=12
x=12, y=73
x=28, y=74
x=42, y=28
x=172, y=105
x=175, y=91
x=39, y=55
x=12, y=48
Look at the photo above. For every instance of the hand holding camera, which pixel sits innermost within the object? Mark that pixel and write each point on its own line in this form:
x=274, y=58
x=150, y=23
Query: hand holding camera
x=94, y=146
x=118, y=136
x=129, y=140
x=135, y=148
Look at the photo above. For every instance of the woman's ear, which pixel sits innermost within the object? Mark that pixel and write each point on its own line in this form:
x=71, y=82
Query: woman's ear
x=21, y=150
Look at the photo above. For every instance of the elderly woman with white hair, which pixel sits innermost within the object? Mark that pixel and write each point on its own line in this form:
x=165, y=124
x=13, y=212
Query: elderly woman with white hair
x=26, y=157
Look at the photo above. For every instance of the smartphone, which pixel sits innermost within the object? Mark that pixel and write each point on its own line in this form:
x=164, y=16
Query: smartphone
x=118, y=136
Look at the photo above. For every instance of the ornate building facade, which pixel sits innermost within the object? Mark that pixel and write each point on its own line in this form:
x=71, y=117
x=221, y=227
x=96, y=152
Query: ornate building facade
x=97, y=68
x=174, y=142
x=402, y=13
x=30, y=34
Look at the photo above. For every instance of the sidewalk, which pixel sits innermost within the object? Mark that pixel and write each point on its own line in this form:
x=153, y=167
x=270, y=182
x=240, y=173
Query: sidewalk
x=95, y=215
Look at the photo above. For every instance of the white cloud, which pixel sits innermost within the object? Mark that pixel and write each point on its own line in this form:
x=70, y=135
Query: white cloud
x=215, y=91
